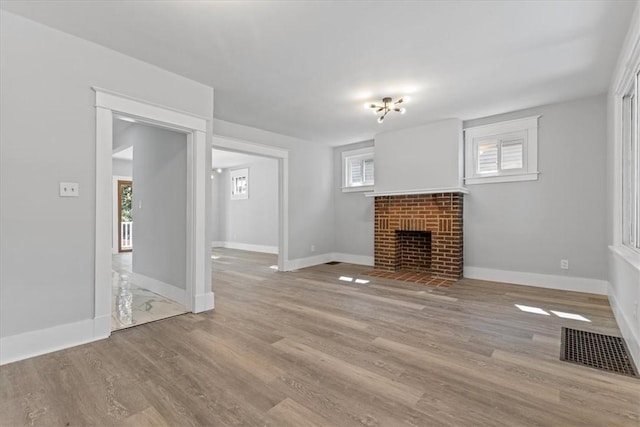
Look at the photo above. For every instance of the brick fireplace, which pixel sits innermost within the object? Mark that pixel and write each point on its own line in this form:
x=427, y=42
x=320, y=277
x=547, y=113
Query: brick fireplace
x=421, y=233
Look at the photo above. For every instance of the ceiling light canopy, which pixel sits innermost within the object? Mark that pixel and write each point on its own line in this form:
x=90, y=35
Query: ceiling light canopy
x=387, y=106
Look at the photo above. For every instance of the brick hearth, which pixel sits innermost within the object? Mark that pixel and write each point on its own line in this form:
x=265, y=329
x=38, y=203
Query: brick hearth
x=421, y=233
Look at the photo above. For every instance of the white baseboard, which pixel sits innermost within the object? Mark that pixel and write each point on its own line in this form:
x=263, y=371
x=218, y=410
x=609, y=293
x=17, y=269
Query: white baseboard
x=102, y=326
x=550, y=281
x=203, y=302
x=174, y=293
x=354, y=259
x=35, y=343
x=298, y=263
x=628, y=333
x=246, y=247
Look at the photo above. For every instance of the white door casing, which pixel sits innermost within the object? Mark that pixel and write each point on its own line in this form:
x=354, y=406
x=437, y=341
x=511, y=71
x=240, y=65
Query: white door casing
x=199, y=296
x=282, y=155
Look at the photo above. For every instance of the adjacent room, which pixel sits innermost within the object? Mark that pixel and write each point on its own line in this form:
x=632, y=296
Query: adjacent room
x=318, y=213
x=246, y=208
x=148, y=279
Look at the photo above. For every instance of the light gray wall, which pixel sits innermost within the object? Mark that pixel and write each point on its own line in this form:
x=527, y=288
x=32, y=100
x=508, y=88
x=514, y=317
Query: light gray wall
x=530, y=226
x=216, y=207
x=47, y=135
x=353, y=211
x=121, y=167
x=310, y=187
x=421, y=157
x=159, y=204
x=254, y=220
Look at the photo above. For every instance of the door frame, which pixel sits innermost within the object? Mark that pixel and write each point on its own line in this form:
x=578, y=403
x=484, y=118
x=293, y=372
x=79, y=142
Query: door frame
x=199, y=296
x=282, y=155
x=119, y=184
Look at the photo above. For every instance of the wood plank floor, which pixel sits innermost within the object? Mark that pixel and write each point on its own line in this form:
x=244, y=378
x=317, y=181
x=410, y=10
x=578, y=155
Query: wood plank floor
x=306, y=349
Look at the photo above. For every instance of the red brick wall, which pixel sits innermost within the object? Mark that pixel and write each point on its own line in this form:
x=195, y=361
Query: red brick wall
x=440, y=214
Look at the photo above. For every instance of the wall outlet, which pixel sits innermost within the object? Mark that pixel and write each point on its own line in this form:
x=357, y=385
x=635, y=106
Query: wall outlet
x=69, y=189
x=564, y=264
x=313, y=248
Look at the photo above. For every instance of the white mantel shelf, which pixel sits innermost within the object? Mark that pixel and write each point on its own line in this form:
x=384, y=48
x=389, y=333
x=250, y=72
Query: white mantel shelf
x=418, y=191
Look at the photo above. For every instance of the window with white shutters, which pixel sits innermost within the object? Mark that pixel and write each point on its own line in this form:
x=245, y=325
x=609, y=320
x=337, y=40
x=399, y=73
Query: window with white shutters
x=502, y=152
x=358, y=169
x=239, y=184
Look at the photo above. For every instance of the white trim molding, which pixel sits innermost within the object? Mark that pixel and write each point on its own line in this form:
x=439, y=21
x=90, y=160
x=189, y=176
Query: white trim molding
x=549, y=281
x=361, y=154
x=503, y=178
x=282, y=155
x=266, y=249
x=148, y=111
x=198, y=291
x=159, y=287
x=524, y=129
x=418, y=191
x=42, y=341
x=624, y=263
x=367, y=260
x=631, y=339
x=298, y=263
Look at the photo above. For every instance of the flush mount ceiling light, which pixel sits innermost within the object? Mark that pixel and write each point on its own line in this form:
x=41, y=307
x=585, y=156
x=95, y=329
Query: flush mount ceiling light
x=387, y=105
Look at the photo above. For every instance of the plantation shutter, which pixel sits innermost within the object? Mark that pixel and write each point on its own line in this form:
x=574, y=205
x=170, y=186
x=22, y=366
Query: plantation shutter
x=355, y=169
x=368, y=171
x=511, y=154
x=487, y=157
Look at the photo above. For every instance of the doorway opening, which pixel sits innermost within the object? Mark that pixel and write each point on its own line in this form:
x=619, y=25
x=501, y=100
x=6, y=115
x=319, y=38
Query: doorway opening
x=149, y=280
x=245, y=206
x=240, y=180
x=196, y=295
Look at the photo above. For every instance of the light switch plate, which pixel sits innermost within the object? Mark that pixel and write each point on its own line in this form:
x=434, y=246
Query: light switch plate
x=69, y=189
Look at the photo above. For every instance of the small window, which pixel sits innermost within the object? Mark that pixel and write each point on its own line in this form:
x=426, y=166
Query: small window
x=502, y=152
x=239, y=184
x=358, y=170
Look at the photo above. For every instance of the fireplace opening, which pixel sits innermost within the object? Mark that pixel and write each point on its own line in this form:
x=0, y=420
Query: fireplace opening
x=413, y=250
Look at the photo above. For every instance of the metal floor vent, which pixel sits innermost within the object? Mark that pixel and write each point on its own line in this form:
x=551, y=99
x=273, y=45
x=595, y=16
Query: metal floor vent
x=332, y=262
x=598, y=351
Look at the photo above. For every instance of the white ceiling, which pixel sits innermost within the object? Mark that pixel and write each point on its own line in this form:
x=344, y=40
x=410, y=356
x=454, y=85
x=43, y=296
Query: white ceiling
x=305, y=68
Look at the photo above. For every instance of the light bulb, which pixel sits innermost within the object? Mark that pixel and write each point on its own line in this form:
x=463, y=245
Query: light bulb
x=402, y=111
x=219, y=170
x=374, y=112
x=367, y=105
x=406, y=98
x=380, y=119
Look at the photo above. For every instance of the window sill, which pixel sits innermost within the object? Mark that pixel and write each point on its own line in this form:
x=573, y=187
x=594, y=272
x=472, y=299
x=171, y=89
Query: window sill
x=629, y=255
x=359, y=188
x=502, y=178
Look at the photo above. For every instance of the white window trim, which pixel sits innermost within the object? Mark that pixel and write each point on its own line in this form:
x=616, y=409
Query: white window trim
x=631, y=246
x=529, y=171
x=346, y=155
x=244, y=172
